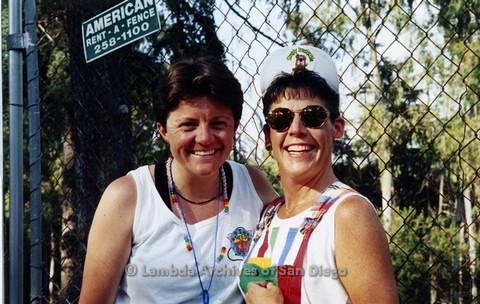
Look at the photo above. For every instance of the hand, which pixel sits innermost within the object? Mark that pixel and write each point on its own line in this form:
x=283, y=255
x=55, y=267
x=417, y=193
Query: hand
x=263, y=292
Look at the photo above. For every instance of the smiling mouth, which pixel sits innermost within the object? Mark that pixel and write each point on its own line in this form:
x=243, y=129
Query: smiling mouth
x=299, y=148
x=203, y=153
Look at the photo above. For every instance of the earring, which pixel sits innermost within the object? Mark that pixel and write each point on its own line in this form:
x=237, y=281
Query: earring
x=268, y=146
x=338, y=142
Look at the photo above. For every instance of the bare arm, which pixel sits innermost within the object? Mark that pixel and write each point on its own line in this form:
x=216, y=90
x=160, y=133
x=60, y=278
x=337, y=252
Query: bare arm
x=361, y=249
x=262, y=185
x=109, y=242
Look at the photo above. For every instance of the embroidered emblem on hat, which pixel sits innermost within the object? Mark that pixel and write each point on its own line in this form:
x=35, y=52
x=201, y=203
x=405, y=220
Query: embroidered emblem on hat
x=240, y=240
x=291, y=58
x=301, y=58
x=301, y=62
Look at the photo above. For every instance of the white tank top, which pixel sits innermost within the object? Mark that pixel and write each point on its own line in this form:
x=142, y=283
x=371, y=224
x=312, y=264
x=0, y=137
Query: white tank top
x=161, y=270
x=321, y=277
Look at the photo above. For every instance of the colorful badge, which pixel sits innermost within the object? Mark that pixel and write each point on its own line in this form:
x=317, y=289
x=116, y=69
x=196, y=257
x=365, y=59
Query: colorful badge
x=240, y=240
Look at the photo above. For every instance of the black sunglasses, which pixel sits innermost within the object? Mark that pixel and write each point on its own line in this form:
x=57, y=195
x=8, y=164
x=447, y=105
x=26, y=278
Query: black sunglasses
x=312, y=117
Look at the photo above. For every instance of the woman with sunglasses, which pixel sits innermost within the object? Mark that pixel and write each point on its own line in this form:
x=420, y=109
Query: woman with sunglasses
x=178, y=231
x=322, y=242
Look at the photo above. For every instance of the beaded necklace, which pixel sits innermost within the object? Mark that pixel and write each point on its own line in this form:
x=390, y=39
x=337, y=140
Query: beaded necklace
x=222, y=185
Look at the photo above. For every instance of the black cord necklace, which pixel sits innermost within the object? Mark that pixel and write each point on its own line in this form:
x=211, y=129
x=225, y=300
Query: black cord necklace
x=193, y=202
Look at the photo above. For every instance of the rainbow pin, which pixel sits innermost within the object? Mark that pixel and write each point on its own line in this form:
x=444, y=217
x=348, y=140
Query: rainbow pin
x=187, y=242
x=222, y=254
x=226, y=205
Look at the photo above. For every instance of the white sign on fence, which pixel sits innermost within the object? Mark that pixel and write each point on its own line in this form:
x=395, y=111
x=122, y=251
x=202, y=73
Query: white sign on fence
x=118, y=26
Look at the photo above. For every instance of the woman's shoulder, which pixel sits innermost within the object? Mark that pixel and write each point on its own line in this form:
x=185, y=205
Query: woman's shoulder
x=121, y=194
x=262, y=185
x=353, y=207
x=255, y=174
x=259, y=181
x=355, y=216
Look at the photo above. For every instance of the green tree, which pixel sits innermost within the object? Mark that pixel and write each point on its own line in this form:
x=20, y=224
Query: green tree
x=459, y=24
x=423, y=251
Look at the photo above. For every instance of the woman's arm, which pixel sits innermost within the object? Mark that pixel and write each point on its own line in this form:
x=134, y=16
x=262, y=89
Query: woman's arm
x=361, y=248
x=109, y=242
x=262, y=185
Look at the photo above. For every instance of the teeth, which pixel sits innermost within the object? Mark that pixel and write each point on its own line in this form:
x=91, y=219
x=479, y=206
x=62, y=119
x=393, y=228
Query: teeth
x=203, y=153
x=299, y=148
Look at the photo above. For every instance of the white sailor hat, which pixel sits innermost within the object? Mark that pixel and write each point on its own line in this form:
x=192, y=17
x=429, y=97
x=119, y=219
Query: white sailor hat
x=289, y=58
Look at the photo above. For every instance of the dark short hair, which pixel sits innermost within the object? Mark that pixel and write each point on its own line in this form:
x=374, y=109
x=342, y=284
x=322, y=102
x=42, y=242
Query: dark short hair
x=301, y=83
x=204, y=76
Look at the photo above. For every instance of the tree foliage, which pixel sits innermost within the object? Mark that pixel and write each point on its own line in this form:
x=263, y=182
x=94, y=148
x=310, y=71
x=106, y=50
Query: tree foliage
x=425, y=252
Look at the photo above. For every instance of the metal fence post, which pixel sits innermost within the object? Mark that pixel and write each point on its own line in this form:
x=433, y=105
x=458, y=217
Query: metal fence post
x=16, y=249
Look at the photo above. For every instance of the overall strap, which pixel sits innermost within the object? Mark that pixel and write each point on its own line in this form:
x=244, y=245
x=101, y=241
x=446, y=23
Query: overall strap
x=263, y=224
x=310, y=223
x=267, y=217
x=291, y=284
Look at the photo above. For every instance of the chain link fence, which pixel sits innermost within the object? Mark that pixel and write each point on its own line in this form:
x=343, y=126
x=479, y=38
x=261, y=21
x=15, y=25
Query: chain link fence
x=409, y=74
